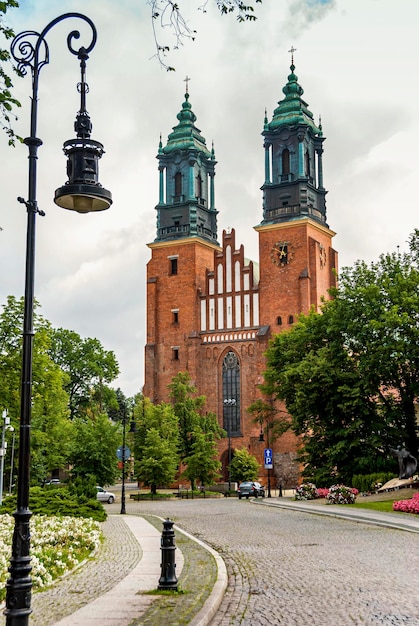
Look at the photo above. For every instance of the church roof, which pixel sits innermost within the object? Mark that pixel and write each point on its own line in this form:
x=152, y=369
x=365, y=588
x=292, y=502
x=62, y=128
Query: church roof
x=186, y=136
x=292, y=110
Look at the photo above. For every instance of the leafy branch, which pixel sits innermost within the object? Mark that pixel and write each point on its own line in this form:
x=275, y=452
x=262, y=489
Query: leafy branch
x=166, y=14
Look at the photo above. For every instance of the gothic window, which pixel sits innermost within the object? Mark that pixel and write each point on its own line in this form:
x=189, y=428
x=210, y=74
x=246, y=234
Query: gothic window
x=286, y=161
x=178, y=184
x=231, y=394
x=291, y=319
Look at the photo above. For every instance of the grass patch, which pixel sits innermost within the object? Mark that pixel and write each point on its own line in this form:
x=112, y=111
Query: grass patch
x=385, y=506
x=196, y=582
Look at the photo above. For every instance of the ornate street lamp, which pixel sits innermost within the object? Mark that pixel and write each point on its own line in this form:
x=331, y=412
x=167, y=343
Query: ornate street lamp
x=82, y=193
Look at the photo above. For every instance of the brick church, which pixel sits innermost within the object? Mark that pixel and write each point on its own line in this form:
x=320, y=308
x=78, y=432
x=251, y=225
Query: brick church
x=210, y=311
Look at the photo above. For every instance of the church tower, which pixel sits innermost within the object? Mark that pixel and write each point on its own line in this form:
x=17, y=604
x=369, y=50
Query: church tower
x=297, y=261
x=183, y=249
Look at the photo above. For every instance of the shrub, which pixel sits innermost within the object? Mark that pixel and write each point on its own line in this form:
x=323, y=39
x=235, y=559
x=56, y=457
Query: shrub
x=306, y=491
x=408, y=506
x=340, y=494
x=322, y=492
x=58, y=502
x=368, y=482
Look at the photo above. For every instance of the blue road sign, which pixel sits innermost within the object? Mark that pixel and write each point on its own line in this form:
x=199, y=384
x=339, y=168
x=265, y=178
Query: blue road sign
x=269, y=462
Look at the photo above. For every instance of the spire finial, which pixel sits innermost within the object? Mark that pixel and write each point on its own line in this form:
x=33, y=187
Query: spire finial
x=292, y=50
x=186, y=80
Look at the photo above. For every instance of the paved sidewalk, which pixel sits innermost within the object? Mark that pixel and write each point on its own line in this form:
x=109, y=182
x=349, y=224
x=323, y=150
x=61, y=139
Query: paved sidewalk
x=126, y=601
x=402, y=521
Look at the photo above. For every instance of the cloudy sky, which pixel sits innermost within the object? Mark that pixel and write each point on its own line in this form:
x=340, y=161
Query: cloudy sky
x=357, y=63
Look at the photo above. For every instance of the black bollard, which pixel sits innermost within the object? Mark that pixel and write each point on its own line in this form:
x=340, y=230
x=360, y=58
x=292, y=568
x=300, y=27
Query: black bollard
x=168, y=578
x=280, y=490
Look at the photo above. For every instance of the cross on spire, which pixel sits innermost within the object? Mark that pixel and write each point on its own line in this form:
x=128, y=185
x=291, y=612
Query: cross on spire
x=292, y=50
x=186, y=80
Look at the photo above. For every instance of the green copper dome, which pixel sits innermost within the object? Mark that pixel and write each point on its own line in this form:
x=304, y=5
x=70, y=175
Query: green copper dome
x=186, y=136
x=292, y=110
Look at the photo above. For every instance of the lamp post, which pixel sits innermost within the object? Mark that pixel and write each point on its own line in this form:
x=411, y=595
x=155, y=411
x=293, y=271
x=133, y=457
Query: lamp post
x=82, y=193
x=228, y=406
x=262, y=438
x=124, y=424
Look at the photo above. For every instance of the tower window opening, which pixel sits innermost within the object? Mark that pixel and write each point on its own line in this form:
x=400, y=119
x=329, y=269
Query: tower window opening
x=173, y=269
x=175, y=354
x=286, y=161
x=199, y=186
x=175, y=317
x=307, y=163
x=279, y=320
x=178, y=184
x=291, y=319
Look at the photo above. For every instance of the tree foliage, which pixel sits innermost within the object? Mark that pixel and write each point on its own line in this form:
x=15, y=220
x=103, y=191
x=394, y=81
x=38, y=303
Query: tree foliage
x=350, y=375
x=88, y=366
x=7, y=101
x=49, y=427
x=93, y=448
x=244, y=466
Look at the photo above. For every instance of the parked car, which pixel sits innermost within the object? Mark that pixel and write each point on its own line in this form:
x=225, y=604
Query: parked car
x=53, y=481
x=250, y=488
x=105, y=496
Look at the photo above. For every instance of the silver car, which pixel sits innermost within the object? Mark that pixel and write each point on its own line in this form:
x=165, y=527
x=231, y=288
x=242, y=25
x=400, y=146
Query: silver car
x=105, y=496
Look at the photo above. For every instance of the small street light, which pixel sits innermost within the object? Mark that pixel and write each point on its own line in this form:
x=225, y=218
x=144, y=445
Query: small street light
x=82, y=193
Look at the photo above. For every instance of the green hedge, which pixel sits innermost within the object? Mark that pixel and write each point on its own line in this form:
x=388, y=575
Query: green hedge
x=58, y=501
x=367, y=482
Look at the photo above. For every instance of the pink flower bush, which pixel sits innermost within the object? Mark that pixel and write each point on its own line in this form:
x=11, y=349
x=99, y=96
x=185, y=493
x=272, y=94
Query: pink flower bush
x=340, y=494
x=322, y=492
x=408, y=506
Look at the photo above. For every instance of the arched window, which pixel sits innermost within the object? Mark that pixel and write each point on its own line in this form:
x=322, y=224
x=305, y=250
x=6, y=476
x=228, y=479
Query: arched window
x=286, y=161
x=231, y=394
x=178, y=184
x=279, y=321
x=291, y=319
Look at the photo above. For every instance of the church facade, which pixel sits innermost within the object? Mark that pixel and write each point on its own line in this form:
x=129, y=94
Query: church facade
x=210, y=311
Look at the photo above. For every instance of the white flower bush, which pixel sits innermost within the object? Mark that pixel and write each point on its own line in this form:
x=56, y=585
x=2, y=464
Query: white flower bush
x=58, y=544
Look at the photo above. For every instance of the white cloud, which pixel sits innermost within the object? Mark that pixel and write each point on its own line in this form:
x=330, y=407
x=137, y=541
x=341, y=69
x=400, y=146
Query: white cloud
x=357, y=64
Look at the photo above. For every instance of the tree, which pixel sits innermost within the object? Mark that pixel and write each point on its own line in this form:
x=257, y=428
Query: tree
x=88, y=365
x=167, y=14
x=7, y=102
x=350, y=375
x=50, y=429
x=244, y=466
x=264, y=414
x=202, y=463
x=187, y=407
x=93, y=448
x=155, y=442
x=159, y=460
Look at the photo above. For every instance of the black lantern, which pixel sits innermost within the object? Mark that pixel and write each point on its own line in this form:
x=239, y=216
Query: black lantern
x=83, y=192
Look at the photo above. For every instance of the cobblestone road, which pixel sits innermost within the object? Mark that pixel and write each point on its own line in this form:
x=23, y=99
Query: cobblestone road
x=299, y=569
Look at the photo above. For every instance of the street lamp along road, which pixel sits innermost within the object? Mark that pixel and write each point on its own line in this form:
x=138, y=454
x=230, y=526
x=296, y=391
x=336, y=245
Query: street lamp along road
x=229, y=403
x=82, y=193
